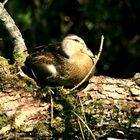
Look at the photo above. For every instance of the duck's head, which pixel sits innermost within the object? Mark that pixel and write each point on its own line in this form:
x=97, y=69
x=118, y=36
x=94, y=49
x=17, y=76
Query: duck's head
x=72, y=44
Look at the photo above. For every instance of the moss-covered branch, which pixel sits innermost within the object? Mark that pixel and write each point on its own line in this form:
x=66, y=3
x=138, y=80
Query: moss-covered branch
x=20, y=50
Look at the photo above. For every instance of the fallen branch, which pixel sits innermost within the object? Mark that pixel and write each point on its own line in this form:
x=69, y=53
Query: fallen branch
x=108, y=104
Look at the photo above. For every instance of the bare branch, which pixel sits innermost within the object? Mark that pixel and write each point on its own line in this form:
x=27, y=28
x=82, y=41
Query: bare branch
x=5, y=1
x=20, y=52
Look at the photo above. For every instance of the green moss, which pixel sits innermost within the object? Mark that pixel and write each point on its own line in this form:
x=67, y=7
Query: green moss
x=19, y=58
x=3, y=120
x=58, y=107
x=59, y=124
x=41, y=129
x=3, y=61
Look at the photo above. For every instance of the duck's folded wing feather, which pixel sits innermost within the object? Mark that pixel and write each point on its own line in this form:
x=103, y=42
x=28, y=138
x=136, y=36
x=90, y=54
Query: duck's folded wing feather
x=40, y=66
x=51, y=47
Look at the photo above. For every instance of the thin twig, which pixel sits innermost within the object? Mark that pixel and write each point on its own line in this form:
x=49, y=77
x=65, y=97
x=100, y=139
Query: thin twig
x=94, y=65
x=51, y=111
x=5, y=1
x=84, y=124
x=81, y=130
x=82, y=109
x=50, y=91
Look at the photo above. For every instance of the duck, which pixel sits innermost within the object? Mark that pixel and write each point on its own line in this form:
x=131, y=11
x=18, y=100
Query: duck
x=64, y=63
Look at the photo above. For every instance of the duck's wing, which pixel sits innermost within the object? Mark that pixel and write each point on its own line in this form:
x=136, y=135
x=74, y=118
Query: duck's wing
x=40, y=65
x=42, y=61
x=52, y=48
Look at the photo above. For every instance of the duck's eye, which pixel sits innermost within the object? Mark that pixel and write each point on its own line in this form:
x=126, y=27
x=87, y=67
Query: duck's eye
x=76, y=40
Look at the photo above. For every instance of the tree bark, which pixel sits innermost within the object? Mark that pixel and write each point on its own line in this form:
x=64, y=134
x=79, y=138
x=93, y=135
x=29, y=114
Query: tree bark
x=20, y=50
x=120, y=92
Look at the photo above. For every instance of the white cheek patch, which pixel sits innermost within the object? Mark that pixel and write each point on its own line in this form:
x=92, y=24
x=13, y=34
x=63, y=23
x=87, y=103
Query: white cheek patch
x=51, y=68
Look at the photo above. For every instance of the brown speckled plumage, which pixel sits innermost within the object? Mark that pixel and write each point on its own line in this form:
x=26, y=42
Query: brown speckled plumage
x=54, y=65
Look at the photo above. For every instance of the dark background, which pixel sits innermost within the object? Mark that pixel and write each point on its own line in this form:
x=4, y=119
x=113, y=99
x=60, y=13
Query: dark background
x=45, y=21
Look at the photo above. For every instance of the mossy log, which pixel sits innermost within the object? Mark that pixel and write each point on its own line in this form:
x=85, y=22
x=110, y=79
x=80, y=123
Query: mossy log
x=107, y=105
